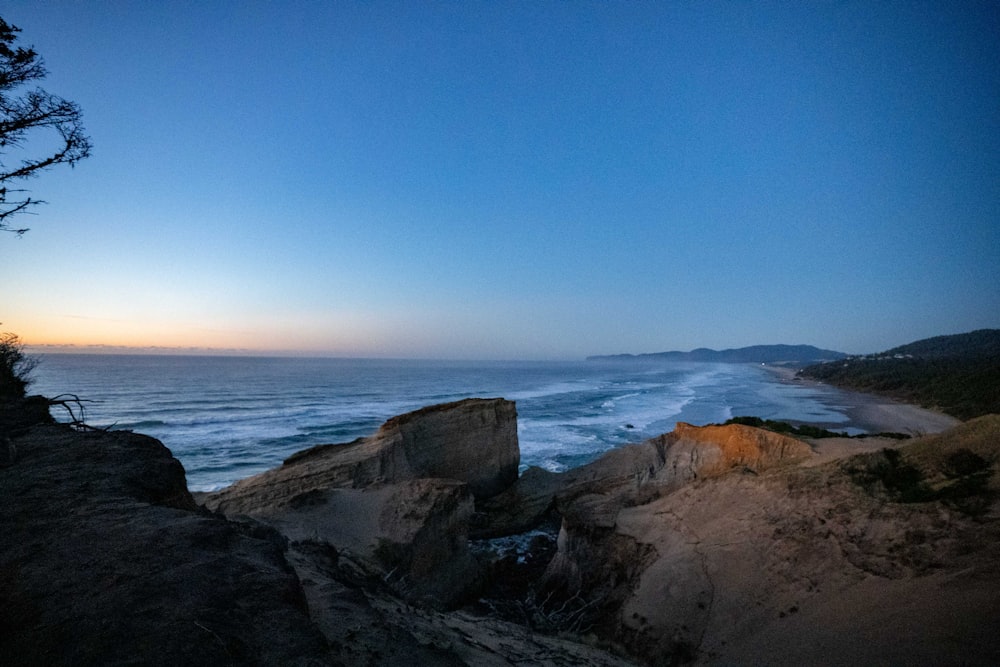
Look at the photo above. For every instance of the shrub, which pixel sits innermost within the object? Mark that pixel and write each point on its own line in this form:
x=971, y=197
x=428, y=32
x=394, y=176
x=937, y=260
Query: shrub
x=15, y=367
x=886, y=472
x=805, y=430
x=966, y=485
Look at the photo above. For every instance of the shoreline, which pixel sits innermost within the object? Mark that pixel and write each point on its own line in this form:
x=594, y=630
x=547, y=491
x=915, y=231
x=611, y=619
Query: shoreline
x=874, y=413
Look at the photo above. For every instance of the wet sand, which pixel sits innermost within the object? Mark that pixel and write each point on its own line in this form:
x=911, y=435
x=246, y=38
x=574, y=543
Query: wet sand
x=878, y=414
x=881, y=414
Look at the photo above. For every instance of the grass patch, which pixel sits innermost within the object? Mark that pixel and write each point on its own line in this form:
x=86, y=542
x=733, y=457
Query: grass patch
x=962, y=483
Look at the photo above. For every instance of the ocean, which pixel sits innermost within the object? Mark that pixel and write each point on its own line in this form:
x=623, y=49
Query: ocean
x=226, y=418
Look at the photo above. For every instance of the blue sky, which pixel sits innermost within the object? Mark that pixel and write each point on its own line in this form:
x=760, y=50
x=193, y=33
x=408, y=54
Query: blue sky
x=514, y=180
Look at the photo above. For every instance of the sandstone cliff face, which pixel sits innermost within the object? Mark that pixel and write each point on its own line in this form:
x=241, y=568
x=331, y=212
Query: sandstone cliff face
x=635, y=474
x=401, y=499
x=473, y=441
x=593, y=554
x=106, y=560
x=712, y=450
x=880, y=557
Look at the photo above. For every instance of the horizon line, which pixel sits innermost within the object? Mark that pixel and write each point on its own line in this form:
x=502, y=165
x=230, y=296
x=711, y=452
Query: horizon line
x=194, y=351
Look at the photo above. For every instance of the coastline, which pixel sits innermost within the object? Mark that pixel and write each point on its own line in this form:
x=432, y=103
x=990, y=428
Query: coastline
x=874, y=413
x=294, y=584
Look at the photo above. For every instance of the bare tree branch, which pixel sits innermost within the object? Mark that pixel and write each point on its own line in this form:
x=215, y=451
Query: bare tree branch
x=24, y=114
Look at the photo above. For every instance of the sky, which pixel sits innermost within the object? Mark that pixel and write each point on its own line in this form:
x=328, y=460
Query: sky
x=513, y=180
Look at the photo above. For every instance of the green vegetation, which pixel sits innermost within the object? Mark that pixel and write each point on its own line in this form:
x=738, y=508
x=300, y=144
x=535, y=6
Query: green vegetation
x=981, y=343
x=959, y=375
x=805, y=430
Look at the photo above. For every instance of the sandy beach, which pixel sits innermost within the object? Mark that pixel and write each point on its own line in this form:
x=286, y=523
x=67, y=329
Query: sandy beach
x=878, y=414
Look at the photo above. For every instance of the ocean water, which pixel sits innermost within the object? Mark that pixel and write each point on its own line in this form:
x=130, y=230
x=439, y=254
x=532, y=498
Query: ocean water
x=226, y=418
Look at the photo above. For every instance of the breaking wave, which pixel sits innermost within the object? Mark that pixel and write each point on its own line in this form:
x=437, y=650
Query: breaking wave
x=229, y=417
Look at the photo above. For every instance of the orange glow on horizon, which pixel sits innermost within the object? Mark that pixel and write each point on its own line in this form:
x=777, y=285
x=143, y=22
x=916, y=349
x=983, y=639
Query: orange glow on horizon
x=69, y=334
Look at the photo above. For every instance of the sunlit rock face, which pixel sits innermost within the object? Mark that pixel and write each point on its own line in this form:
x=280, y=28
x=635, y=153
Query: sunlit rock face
x=636, y=474
x=732, y=546
x=716, y=449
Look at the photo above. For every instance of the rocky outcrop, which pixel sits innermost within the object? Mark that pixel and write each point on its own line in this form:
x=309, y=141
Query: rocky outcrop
x=635, y=474
x=889, y=556
x=399, y=500
x=105, y=560
x=472, y=441
x=713, y=545
x=593, y=555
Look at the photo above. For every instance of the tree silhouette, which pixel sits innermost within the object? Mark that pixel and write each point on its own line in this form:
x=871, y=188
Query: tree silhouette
x=24, y=114
x=15, y=367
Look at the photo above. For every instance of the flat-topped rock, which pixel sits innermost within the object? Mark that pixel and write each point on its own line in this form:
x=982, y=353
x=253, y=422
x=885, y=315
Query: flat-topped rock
x=472, y=441
x=400, y=500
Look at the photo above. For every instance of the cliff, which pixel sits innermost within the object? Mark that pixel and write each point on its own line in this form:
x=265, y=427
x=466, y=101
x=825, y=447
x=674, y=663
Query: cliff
x=472, y=441
x=106, y=560
x=890, y=556
x=711, y=545
x=400, y=501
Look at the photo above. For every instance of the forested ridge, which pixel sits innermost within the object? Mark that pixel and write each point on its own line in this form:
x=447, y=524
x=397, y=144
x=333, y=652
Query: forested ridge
x=958, y=374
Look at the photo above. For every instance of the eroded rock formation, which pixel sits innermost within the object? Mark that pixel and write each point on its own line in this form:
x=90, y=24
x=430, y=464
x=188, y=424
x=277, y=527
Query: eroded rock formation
x=399, y=500
x=886, y=556
x=713, y=545
x=473, y=441
x=634, y=474
x=106, y=559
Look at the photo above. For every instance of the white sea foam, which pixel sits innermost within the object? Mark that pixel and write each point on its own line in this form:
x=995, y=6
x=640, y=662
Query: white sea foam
x=228, y=418
x=555, y=389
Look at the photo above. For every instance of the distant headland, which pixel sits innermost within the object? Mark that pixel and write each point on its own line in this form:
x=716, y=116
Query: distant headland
x=764, y=354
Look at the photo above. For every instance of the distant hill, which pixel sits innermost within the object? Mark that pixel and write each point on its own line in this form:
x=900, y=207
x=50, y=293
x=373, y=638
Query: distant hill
x=975, y=344
x=958, y=374
x=767, y=354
